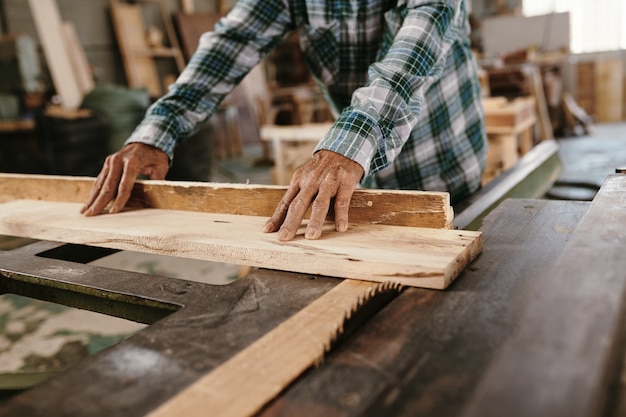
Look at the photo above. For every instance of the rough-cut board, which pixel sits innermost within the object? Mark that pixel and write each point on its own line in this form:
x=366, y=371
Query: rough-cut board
x=422, y=257
x=389, y=207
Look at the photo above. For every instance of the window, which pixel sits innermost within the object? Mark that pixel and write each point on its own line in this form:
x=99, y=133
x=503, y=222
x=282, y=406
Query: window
x=595, y=25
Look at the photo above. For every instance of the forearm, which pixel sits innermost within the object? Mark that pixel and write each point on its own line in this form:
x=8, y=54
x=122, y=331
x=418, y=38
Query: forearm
x=224, y=56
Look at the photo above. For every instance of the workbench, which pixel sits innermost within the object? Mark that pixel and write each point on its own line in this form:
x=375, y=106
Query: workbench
x=533, y=327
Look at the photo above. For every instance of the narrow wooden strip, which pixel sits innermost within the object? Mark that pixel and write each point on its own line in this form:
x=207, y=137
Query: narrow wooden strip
x=246, y=382
x=567, y=348
x=406, y=255
x=389, y=207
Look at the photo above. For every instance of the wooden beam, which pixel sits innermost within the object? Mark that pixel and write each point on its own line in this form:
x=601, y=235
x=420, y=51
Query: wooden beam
x=388, y=207
x=423, y=257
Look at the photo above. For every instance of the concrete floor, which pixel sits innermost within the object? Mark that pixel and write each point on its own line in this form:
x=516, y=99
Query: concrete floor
x=40, y=337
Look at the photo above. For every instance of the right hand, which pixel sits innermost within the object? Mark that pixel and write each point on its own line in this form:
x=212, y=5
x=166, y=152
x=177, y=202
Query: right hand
x=117, y=177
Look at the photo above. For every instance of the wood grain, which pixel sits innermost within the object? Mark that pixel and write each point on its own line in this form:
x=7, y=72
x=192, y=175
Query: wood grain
x=389, y=207
x=422, y=257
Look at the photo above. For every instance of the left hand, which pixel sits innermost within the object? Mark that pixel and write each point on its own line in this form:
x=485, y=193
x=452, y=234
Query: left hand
x=328, y=175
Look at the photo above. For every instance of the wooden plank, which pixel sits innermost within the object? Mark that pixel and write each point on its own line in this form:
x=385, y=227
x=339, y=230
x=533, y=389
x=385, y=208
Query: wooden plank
x=566, y=350
x=78, y=59
x=48, y=22
x=609, y=78
x=423, y=257
x=389, y=207
x=425, y=352
x=249, y=380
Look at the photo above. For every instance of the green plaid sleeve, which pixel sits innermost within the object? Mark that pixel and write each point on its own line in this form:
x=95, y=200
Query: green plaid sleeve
x=224, y=56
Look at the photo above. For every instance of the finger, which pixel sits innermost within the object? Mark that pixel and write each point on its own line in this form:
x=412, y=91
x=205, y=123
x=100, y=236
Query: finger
x=342, y=207
x=319, y=211
x=96, y=187
x=297, y=209
x=106, y=192
x=277, y=219
x=295, y=214
x=124, y=188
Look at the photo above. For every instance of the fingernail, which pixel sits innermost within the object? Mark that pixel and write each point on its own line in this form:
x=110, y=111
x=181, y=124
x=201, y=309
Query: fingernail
x=342, y=227
x=283, y=234
x=268, y=227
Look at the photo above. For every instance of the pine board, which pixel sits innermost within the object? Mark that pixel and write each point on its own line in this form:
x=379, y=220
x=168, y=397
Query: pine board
x=390, y=207
x=410, y=256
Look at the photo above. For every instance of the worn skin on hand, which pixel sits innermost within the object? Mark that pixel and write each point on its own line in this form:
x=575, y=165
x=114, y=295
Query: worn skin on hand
x=115, y=180
x=328, y=175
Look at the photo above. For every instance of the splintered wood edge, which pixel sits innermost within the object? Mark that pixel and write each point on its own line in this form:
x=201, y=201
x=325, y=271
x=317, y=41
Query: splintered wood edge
x=389, y=207
x=262, y=370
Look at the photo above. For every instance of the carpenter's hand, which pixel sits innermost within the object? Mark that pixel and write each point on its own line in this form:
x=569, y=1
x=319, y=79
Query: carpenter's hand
x=327, y=175
x=118, y=175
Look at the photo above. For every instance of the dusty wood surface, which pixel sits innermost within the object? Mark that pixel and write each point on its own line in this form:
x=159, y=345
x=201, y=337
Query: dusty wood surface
x=252, y=378
x=411, y=256
x=426, y=351
x=570, y=334
x=390, y=207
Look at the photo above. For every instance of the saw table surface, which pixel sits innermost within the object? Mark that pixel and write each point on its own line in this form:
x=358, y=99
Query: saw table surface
x=533, y=327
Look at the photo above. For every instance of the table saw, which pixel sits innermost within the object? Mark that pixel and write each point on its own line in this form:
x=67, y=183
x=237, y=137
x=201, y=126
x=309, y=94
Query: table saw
x=532, y=326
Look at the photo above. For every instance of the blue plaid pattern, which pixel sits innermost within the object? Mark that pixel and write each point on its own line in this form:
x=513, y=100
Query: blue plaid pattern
x=399, y=75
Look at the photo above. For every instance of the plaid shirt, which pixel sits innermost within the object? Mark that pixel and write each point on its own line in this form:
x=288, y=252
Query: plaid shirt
x=399, y=74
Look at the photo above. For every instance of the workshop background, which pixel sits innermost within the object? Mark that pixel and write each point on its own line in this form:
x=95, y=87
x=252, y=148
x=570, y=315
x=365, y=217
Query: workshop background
x=77, y=76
